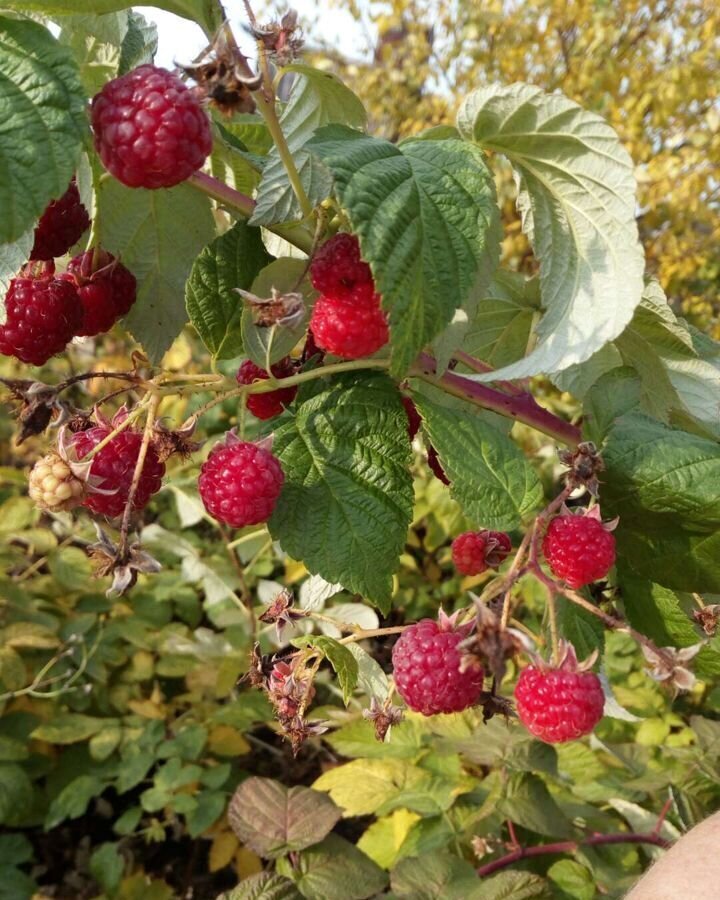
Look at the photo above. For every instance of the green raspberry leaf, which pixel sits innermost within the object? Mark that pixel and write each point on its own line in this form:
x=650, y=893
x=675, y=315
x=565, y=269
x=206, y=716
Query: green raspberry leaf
x=158, y=235
x=339, y=657
x=44, y=123
x=347, y=500
x=231, y=261
x=577, y=201
x=318, y=98
x=655, y=472
x=427, y=221
x=489, y=475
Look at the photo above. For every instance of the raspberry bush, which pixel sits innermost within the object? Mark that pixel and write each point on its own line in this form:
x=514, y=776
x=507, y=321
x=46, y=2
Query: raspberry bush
x=340, y=473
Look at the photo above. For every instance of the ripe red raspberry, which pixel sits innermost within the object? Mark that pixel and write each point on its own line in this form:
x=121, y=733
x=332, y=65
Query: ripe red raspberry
x=579, y=548
x=267, y=406
x=61, y=225
x=426, y=668
x=150, y=129
x=473, y=552
x=559, y=704
x=337, y=268
x=350, y=328
x=43, y=315
x=413, y=417
x=240, y=482
x=113, y=467
x=107, y=290
x=435, y=465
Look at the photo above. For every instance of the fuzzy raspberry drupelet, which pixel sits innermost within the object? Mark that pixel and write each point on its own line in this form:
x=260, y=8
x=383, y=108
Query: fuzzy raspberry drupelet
x=150, y=129
x=337, y=268
x=43, y=315
x=239, y=483
x=426, y=668
x=107, y=290
x=113, y=467
x=557, y=705
x=579, y=549
x=473, y=552
x=267, y=406
x=61, y=225
x=350, y=328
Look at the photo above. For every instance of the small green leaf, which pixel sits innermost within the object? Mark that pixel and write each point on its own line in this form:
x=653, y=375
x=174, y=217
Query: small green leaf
x=577, y=201
x=489, y=475
x=107, y=866
x=339, y=657
x=214, y=306
x=210, y=806
x=272, y=819
x=140, y=43
x=429, y=248
x=318, y=97
x=43, y=107
x=73, y=799
x=335, y=868
x=12, y=669
x=347, y=499
x=584, y=630
x=371, y=677
x=16, y=793
x=158, y=235
x=69, y=728
x=528, y=803
x=572, y=878
x=103, y=743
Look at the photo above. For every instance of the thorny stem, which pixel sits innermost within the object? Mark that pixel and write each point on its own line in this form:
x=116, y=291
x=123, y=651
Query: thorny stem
x=594, y=840
x=137, y=473
x=477, y=365
x=126, y=423
x=522, y=408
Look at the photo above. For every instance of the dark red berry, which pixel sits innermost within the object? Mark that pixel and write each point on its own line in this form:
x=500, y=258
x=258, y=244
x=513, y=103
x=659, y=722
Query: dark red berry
x=61, y=225
x=579, y=548
x=413, y=417
x=43, y=315
x=435, y=465
x=337, y=267
x=473, y=552
x=271, y=404
x=240, y=483
x=113, y=468
x=107, y=290
x=150, y=129
x=558, y=705
x=350, y=328
x=426, y=667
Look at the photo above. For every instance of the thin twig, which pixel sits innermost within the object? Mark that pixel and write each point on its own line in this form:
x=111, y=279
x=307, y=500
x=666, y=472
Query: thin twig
x=137, y=473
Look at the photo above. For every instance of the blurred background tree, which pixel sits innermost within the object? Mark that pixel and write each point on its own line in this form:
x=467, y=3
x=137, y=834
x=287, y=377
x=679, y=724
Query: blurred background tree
x=652, y=69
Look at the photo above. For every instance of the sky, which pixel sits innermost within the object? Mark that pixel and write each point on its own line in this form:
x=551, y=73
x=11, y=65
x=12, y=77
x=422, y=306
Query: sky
x=181, y=40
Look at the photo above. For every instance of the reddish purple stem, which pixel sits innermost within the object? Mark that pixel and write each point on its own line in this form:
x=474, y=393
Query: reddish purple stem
x=522, y=407
x=570, y=847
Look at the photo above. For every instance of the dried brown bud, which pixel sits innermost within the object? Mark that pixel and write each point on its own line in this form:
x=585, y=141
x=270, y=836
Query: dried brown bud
x=708, y=618
x=224, y=78
x=167, y=442
x=490, y=642
x=282, y=40
x=124, y=566
x=286, y=310
x=585, y=464
x=383, y=716
x=279, y=612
